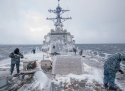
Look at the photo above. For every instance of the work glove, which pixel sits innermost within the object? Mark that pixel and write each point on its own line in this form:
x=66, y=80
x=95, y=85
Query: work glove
x=121, y=71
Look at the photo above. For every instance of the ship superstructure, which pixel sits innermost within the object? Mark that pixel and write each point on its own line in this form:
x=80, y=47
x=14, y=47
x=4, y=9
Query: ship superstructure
x=58, y=38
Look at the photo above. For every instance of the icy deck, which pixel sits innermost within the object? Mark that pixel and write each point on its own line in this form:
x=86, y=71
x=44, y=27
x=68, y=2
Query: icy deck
x=5, y=65
x=65, y=65
x=92, y=73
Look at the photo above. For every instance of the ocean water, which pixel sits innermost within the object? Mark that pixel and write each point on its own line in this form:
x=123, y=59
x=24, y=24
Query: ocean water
x=103, y=48
x=5, y=50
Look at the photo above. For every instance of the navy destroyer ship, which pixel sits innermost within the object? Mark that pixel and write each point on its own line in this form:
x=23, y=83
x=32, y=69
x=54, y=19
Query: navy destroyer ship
x=58, y=67
x=58, y=39
x=59, y=42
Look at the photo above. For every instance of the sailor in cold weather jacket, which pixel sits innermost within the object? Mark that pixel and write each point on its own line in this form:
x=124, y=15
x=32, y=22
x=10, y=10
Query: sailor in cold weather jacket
x=111, y=67
x=15, y=60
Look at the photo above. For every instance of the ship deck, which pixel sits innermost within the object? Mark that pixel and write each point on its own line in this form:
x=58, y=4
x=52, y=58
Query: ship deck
x=92, y=69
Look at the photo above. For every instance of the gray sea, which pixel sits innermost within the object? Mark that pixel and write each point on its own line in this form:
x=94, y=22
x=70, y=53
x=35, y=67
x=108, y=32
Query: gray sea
x=5, y=50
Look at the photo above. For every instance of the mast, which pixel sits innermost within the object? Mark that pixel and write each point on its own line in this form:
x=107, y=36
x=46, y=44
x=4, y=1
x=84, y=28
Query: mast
x=58, y=20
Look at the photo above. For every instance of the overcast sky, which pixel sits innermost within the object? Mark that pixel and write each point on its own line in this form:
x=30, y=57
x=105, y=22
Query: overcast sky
x=93, y=21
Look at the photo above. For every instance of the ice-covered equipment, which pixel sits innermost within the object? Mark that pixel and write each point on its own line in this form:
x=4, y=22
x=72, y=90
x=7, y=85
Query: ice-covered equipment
x=64, y=65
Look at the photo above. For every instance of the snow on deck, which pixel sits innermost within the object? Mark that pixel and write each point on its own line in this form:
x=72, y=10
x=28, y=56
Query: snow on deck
x=90, y=80
x=92, y=72
x=65, y=65
x=5, y=65
x=40, y=81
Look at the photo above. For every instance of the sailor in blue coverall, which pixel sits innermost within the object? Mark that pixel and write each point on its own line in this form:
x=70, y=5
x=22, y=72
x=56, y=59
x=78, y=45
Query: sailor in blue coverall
x=111, y=67
x=15, y=60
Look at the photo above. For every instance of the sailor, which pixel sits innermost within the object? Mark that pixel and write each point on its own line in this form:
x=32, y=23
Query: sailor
x=80, y=52
x=54, y=50
x=15, y=60
x=74, y=50
x=111, y=67
x=34, y=51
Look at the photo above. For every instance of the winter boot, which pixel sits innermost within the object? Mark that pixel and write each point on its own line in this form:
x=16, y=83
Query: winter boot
x=112, y=88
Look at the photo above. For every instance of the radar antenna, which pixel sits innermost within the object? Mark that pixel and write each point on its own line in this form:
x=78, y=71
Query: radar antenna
x=58, y=19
